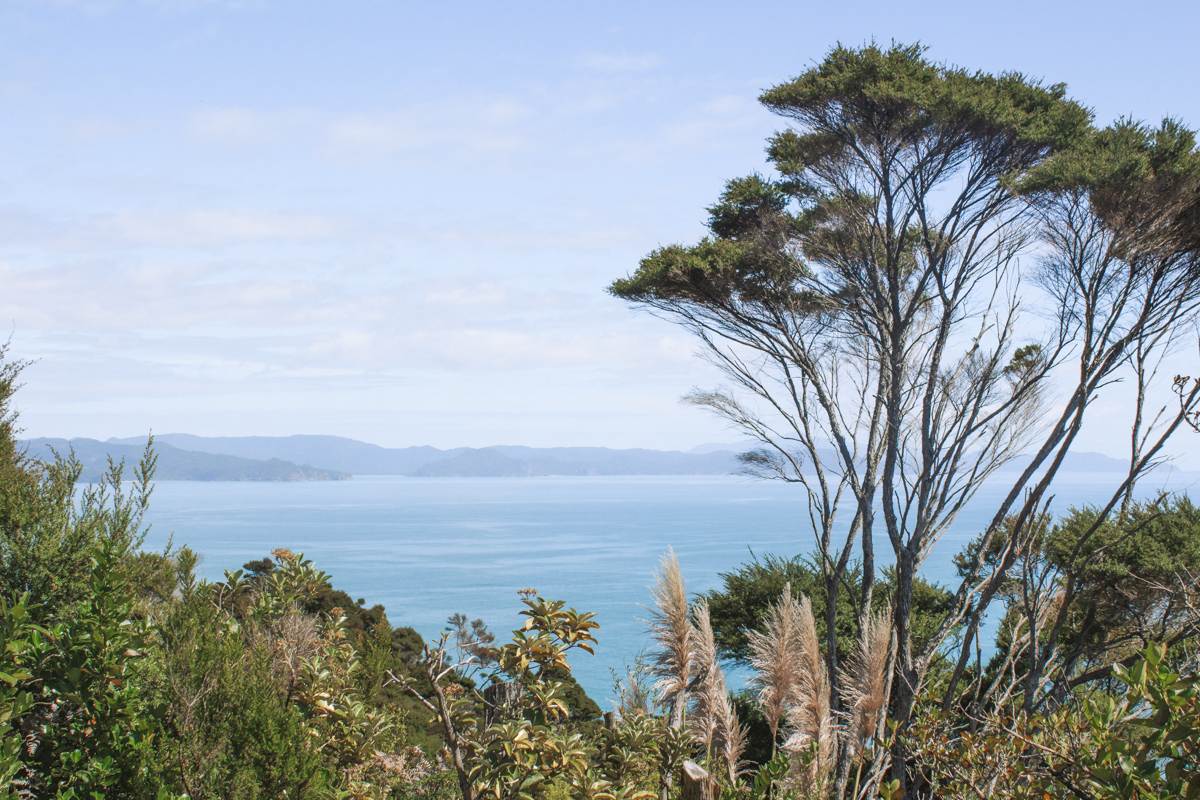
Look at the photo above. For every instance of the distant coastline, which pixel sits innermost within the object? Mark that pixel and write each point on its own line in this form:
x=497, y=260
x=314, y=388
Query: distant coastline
x=176, y=464
x=306, y=457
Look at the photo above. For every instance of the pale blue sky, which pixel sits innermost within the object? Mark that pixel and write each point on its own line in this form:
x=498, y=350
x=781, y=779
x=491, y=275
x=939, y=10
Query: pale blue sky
x=395, y=221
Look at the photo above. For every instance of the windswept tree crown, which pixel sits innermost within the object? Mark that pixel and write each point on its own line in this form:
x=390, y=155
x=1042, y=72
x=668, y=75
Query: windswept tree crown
x=1141, y=181
x=866, y=119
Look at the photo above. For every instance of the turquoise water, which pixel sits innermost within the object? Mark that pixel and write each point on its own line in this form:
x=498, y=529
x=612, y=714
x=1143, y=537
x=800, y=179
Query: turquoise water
x=427, y=548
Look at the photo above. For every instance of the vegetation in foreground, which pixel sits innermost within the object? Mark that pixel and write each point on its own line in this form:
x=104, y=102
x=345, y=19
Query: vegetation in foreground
x=858, y=302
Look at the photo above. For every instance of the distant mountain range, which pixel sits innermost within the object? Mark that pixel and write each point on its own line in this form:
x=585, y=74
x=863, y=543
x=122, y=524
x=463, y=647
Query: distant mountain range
x=177, y=464
x=360, y=458
x=183, y=456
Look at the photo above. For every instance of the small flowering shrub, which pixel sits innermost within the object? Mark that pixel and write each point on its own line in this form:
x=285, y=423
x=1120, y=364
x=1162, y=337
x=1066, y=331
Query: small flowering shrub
x=510, y=736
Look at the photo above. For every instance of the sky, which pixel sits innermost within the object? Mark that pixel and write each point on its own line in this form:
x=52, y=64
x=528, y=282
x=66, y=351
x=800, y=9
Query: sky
x=395, y=221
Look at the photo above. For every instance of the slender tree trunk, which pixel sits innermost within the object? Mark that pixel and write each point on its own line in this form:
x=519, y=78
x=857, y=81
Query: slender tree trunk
x=842, y=752
x=905, y=676
x=455, y=746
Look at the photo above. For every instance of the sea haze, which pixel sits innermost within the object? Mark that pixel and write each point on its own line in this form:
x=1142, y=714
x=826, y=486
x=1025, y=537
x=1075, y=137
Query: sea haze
x=429, y=547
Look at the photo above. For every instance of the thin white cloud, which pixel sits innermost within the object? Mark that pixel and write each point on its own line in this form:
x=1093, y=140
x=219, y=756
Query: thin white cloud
x=487, y=124
x=234, y=125
x=186, y=228
x=480, y=294
x=97, y=128
x=467, y=233
x=208, y=228
x=470, y=126
x=616, y=63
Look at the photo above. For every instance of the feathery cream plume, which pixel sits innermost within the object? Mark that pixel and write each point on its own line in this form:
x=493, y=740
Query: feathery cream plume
x=708, y=686
x=715, y=722
x=809, y=716
x=864, y=678
x=774, y=655
x=733, y=738
x=672, y=630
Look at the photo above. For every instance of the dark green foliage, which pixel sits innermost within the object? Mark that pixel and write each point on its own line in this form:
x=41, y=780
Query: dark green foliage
x=746, y=593
x=744, y=205
x=88, y=731
x=742, y=601
x=18, y=641
x=1121, y=564
x=1134, y=175
x=759, y=747
x=580, y=707
x=226, y=731
x=68, y=572
x=708, y=272
x=1125, y=579
x=45, y=550
x=897, y=95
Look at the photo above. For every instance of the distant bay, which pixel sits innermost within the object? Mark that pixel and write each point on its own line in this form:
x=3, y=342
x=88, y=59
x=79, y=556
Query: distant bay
x=429, y=547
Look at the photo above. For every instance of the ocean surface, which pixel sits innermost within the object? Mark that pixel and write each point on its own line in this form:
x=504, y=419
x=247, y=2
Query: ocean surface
x=426, y=548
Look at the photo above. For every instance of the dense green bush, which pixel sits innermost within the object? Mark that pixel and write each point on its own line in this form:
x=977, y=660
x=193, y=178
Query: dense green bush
x=746, y=592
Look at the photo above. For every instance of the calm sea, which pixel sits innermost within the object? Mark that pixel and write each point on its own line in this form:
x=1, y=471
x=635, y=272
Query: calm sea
x=427, y=548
